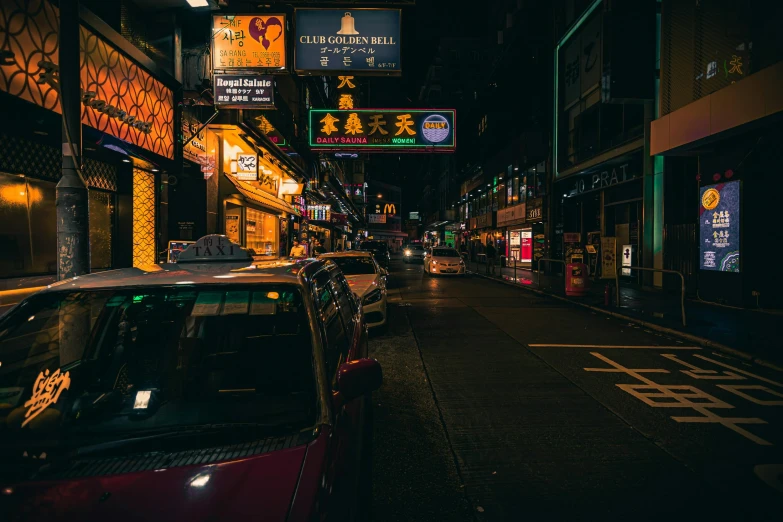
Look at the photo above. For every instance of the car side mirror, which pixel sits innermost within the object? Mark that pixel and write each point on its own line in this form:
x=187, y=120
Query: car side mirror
x=359, y=377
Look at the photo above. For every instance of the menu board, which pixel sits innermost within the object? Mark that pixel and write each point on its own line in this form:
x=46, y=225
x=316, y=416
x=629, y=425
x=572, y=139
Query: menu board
x=719, y=227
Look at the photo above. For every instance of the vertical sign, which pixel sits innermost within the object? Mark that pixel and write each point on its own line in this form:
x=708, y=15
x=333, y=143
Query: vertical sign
x=526, y=246
x=608, y=257
x=719, y=227
x=627, y=259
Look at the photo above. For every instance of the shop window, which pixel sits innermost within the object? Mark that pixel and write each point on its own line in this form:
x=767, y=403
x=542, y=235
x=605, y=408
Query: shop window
x=14, y=234
x=261, y=232
x=101, y=225
x=143, y=217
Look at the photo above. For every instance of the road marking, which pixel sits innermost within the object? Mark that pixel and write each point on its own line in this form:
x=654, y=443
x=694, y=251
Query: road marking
x=740, y=370
x=700, y=373
x=667, y=396
x=613, y=347
x=735, y=389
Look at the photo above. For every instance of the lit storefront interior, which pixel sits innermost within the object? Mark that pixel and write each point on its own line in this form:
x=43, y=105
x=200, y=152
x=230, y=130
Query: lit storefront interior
x=254, y=185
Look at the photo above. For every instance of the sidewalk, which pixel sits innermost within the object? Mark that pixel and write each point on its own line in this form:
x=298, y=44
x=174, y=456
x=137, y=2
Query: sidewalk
x=753, y=331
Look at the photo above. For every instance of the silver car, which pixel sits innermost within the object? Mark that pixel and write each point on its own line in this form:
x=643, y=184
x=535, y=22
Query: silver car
x=413, y=253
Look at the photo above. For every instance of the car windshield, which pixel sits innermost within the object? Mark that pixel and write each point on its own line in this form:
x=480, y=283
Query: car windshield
x=445, y=252
x=87, y=369
x=416, y=247
x=355, y=265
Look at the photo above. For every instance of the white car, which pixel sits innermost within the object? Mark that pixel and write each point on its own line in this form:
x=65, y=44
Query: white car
x=443, y=260
x=366, y=279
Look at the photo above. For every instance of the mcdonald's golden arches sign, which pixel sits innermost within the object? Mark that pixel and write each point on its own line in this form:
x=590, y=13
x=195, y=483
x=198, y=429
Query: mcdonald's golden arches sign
x=390, y=209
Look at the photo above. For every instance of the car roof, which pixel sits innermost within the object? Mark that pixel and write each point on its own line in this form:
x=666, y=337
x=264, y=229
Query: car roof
x=168, y=274
x=350, y=253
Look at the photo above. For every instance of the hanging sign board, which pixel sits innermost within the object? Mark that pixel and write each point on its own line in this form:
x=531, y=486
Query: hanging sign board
x=248, y=42
x=243, y=91
x=383, y=130
x=362, y=41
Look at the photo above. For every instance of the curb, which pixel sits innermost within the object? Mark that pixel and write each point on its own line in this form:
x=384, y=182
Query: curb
x=701, y=341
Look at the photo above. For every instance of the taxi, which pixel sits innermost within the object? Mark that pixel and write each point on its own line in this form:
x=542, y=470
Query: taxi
x=208, y=389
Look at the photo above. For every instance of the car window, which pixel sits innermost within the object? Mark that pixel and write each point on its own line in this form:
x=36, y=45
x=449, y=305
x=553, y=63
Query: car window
x=89, y=367
x=445, y=252
x=337, y=342
x=344, y=302
x=351, y=265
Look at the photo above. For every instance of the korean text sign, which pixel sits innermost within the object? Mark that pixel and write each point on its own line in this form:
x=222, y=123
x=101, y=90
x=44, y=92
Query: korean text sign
x=248, y=42
x=719, y=226
x=359, y=40
x=244, y=90
x=383, y=129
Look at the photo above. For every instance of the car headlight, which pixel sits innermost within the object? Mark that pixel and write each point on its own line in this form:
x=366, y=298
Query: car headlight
x=434, y=262
x=373, y=297
x=407, y=252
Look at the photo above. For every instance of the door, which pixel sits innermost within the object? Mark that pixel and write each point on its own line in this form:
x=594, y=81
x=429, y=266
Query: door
x=339, y=331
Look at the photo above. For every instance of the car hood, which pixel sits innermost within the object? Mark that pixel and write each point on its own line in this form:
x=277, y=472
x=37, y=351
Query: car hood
x=417, y=252
x=259, y=487
x=363, y=284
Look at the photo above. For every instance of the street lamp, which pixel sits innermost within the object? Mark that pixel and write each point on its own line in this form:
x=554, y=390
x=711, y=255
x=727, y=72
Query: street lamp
x=198, y=3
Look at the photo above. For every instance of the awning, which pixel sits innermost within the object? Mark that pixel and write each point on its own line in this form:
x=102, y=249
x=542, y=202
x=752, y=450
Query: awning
x=262, y=198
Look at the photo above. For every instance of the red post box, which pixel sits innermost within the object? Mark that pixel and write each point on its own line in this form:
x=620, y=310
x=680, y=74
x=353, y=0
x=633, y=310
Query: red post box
x=576, y=279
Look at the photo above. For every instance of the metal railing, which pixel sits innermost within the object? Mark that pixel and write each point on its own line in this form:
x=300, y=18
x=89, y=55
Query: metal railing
x=664, y=271
x=538, y=278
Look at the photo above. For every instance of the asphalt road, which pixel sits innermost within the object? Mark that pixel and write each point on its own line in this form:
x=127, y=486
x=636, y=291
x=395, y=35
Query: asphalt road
x=499, y=404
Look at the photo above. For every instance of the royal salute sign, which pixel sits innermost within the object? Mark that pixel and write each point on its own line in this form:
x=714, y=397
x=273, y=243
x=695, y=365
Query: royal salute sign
x=362, y=41
x=383, y=130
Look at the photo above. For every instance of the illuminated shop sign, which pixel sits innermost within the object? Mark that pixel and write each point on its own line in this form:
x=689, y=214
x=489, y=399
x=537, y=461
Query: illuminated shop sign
x=248, y=42
x=119, y=97
x=363, y=41
x=719, y=226
x=244, y=90
x=383, y=129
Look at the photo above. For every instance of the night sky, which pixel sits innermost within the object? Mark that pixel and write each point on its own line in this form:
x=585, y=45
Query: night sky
x=422, y=28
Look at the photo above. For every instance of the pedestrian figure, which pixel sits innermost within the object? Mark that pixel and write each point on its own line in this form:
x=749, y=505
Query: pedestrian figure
x=491, y=252
x=297, y=250
x=318, y=249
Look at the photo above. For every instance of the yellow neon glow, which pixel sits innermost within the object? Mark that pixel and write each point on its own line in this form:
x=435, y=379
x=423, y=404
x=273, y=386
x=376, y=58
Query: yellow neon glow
x=46, y=391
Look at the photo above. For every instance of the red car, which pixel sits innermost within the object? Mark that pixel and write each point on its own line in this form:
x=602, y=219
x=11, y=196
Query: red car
x=209, y=389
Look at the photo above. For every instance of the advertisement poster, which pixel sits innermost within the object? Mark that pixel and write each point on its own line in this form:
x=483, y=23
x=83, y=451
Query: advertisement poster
x=248, y=42
x=627, y=253
x=383, y=130
x=608, y=257
x=359, y=41
x=719, y=227
x=526, y=246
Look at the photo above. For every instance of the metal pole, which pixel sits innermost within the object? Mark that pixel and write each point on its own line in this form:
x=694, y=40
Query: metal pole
x=72, y=203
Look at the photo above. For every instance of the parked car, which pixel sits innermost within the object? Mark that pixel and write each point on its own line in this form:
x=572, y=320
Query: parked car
x=209, y=389
x=380, y=251
x=367, y=280
x=413, y=252
x=443, y=260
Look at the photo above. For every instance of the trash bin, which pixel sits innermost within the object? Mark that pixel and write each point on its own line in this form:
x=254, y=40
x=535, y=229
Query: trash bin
x=576, y=280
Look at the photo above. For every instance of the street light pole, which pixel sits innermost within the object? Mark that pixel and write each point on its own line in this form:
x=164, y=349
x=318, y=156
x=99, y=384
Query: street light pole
x=73, y=223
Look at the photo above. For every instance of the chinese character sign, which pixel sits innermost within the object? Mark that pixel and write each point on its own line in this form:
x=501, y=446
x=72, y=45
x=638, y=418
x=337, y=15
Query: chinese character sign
x=248, y=41
x=719, y=226
x=359, y=40
x=383, y=129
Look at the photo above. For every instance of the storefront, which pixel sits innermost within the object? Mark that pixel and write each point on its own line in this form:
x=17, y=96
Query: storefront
x=256, y=191
x=518, y=235
x=604, y=201
x=129, y=148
